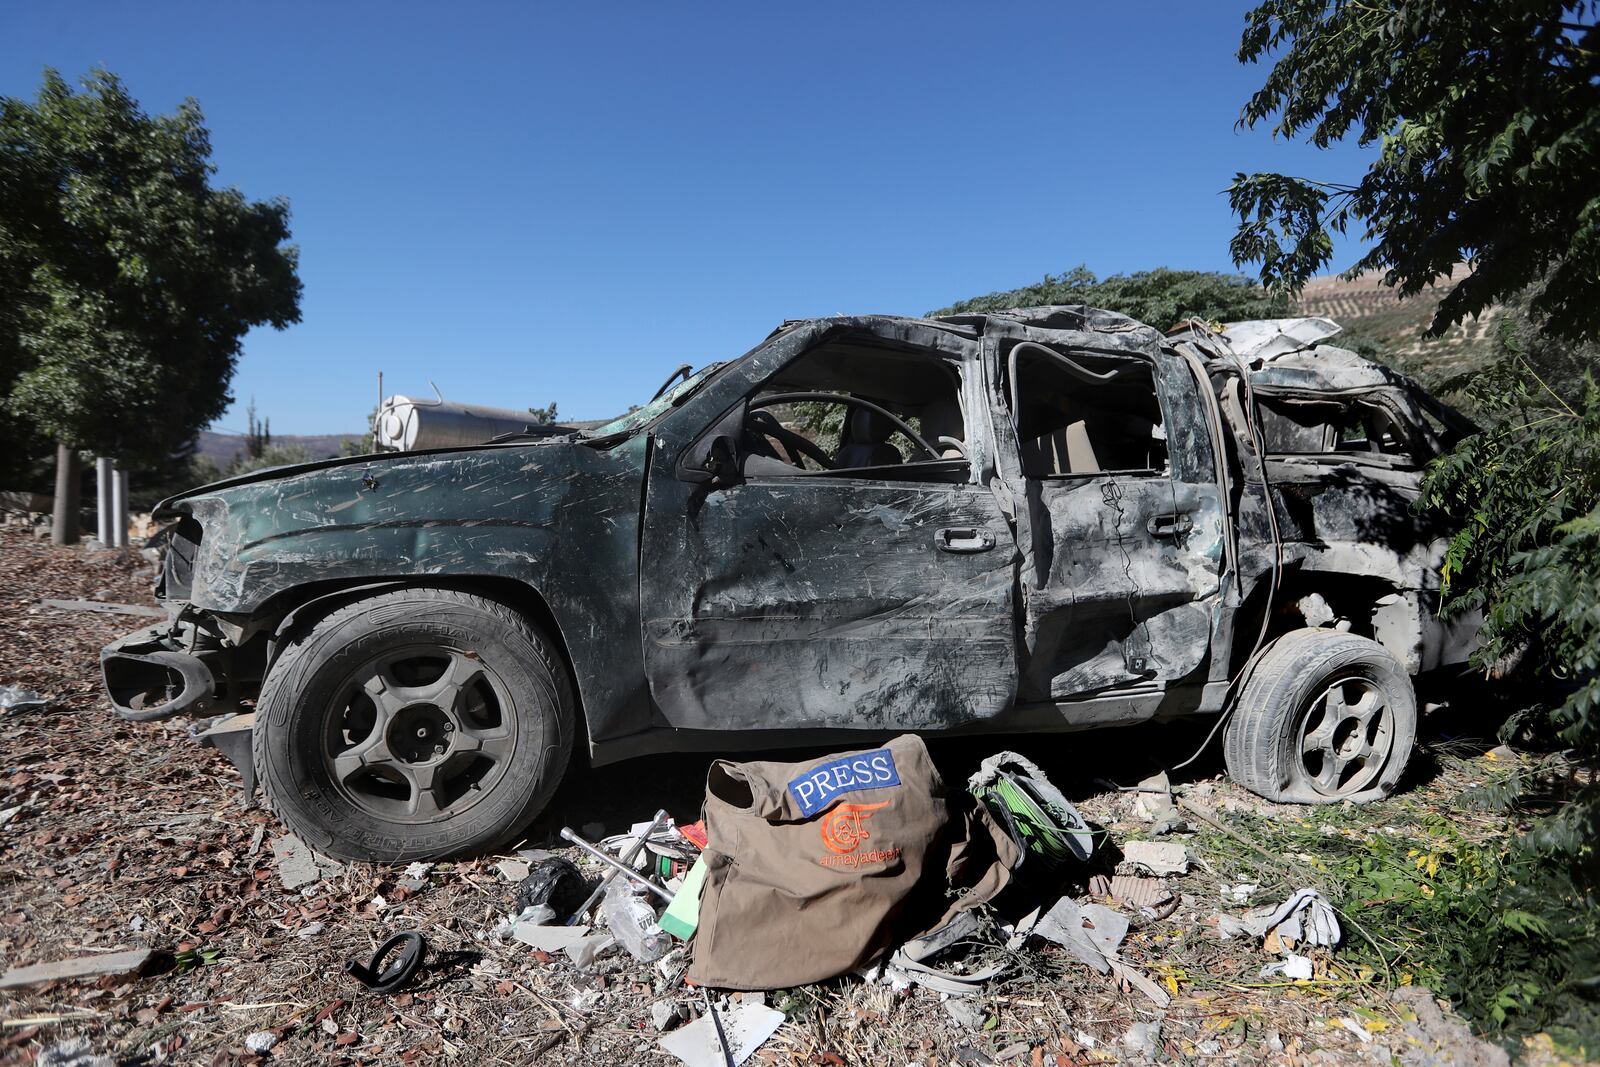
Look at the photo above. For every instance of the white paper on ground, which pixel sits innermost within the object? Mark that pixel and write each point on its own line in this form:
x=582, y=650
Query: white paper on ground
x=747, y=1026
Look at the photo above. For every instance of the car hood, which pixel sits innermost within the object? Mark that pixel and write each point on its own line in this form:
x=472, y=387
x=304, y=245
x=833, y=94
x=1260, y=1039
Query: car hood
x=377, y=461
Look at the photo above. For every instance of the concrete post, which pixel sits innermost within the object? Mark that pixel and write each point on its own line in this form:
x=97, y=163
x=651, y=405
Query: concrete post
x=102, y=499
x=119, y=509
x=64, y=520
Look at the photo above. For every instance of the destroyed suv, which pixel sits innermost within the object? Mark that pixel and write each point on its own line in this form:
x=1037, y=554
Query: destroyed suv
x=1045, y=519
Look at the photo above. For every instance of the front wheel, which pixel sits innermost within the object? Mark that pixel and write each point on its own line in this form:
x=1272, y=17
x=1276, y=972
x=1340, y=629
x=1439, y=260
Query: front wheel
x=1324, y=717
x=416, y=724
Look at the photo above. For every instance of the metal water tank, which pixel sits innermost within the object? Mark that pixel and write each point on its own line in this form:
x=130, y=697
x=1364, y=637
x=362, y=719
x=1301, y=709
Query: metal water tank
x=405, y=423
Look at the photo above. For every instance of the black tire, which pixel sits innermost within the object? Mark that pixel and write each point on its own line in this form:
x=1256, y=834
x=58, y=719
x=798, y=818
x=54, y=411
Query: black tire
x=464, y=761
x=1324, y=717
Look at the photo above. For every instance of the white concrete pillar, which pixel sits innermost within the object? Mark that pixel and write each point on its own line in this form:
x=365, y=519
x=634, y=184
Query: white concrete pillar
x=119, y=509
x=102, y=499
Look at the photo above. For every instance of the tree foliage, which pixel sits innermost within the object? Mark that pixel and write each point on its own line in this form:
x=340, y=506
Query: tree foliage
x=1525, y=495
x=1161, y=298
x=1486, y=117
x=130, y=281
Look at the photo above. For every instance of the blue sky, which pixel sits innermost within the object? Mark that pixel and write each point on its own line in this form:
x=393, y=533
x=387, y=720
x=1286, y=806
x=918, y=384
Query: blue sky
x=536, y=202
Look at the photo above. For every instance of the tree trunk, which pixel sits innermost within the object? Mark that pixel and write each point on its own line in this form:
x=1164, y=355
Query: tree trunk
x=64, y=525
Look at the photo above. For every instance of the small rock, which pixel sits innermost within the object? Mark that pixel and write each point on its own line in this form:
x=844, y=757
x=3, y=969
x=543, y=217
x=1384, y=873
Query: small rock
x=1142, y=1039
x=310, y=930
x=964, y=1012
x=664, y=1015
x=261, y=1041
x=74, y=1052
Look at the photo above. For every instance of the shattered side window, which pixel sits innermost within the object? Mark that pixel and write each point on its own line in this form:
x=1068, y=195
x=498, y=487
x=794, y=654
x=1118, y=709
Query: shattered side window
x=1087, y=416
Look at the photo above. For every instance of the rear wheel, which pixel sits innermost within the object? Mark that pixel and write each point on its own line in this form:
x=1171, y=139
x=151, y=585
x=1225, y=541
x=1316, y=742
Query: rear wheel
x=1324, y=717
x=415, y=724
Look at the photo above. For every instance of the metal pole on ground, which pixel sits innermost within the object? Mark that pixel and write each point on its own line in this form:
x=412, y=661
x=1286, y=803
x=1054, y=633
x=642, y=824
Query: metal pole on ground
x=102, y=499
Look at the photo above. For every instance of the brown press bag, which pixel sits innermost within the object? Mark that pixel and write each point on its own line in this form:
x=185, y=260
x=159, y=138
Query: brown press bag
x=813, y=869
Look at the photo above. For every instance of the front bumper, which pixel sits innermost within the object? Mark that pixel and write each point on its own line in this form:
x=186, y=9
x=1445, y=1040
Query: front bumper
x=153, y=674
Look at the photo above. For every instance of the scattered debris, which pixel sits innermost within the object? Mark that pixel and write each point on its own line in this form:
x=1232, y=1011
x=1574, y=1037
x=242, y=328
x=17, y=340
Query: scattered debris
x=665, y=1014
x=1153, y=804
x=966, y=1013
x=1156, y=857
x=131, y=962
x=1291, y=966
x=261, y=1041
x=1142, y=1039
x=549, y=938
x=633, y=923
x=512, y=870
x=745, y=1027
x=1239, y=894
x=1150, y=896
x=298, y=865
x=555, y=883
x=583, y=953
x=1304, y=917
x=7, y=814
x=392, y=966
x=73, y=1052
x=14, y=696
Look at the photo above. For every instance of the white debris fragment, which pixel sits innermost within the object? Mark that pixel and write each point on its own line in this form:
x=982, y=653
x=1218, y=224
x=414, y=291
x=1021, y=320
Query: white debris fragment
x=1291, y=966
x=261, y=1041
x=512, y=870
x=1356, y=1028
x=1306, y=917
x=418, y=870
x=747, y=1027
x=549, y=938
x=1239, y=894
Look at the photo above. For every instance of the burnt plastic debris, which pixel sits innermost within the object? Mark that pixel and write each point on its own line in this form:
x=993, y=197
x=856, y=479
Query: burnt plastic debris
x=392, y=966
x=556, y=882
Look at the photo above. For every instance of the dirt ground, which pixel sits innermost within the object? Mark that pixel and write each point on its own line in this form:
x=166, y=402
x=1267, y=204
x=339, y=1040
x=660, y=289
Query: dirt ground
x=132, y=836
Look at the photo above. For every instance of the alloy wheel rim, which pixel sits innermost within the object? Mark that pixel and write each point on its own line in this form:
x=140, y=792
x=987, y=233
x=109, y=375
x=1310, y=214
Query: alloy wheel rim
x=419, y=734
x=1345, y=737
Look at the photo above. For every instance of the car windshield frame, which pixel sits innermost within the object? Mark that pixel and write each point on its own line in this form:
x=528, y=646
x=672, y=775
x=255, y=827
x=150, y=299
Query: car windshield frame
x=641, y=417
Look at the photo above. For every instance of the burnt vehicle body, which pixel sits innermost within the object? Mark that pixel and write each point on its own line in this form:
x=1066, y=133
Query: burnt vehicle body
x=1045, y=519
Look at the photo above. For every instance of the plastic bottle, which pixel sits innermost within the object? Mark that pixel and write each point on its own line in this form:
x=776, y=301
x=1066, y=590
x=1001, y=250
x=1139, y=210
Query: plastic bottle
x=633, y=922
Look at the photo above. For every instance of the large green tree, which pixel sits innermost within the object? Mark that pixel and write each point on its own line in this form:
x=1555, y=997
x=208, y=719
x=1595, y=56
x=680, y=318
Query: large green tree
x=1162, y=297
x=131, y=280
x=1486, y=119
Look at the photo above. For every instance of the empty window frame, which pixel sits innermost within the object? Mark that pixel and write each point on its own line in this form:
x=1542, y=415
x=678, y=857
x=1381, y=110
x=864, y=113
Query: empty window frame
x=848, y=409
x=1081, y=414
x=1333, y=427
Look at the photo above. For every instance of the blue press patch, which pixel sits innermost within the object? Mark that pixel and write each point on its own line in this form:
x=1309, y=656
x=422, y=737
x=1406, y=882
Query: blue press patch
x=865, y=770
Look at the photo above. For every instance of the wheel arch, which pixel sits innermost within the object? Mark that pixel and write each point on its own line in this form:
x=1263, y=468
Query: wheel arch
x=296, y=610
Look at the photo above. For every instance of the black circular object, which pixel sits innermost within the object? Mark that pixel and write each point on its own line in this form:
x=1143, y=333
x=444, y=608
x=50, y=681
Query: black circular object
x=407, y=950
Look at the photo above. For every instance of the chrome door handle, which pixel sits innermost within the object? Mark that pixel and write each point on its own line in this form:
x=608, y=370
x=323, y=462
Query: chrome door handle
x=963, y=539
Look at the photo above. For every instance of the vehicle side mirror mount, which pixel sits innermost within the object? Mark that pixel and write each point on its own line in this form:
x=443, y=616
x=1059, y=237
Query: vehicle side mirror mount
x=713, y=459
x=721, y=460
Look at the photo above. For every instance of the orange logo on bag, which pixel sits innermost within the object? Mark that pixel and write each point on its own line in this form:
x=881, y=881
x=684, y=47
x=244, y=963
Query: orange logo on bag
x=841, y=828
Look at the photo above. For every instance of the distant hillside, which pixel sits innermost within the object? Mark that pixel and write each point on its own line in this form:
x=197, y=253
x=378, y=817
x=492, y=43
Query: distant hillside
x=223, y=448
x=1370, y=312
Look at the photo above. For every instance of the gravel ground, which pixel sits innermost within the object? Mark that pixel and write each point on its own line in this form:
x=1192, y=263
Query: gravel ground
x=131, y=836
